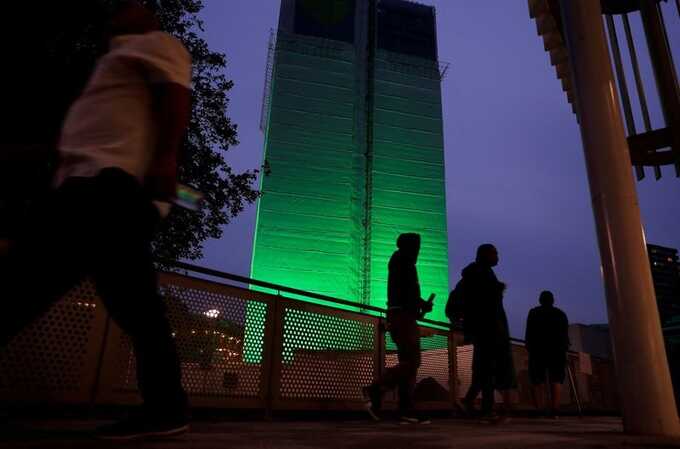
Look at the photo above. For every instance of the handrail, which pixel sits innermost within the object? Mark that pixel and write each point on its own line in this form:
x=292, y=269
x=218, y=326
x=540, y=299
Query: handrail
x=569, y=351
x=282, y=288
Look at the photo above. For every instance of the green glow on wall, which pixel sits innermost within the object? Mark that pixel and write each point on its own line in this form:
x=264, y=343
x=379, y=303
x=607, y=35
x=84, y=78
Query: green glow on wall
x=310, y=228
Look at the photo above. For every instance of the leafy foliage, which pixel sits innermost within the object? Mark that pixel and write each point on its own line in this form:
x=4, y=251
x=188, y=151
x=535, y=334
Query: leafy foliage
x=202, y=166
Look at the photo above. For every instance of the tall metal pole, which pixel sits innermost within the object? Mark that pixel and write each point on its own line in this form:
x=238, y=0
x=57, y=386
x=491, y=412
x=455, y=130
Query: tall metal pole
x=640, y=358
x=369, y=102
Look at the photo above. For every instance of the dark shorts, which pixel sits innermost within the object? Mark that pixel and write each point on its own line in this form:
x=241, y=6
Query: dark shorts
x=554, y=366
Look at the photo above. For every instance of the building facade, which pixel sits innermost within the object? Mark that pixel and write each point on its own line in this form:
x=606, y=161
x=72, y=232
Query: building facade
x=666, y=276
x=352, y=118
x=593, y=339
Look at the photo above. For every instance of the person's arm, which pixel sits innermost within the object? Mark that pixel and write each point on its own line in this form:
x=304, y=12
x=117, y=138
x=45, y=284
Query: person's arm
x=172, y=110
x=565, y=331
x=529, y=332
x=4, y=247
x=166, y=64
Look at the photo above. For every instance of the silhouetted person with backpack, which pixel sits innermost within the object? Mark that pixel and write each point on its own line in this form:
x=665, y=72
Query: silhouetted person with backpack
x=404, y=307
x=547, y=341
x=486, y=327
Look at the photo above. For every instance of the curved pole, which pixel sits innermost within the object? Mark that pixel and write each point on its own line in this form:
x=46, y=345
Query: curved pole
x=639, y=353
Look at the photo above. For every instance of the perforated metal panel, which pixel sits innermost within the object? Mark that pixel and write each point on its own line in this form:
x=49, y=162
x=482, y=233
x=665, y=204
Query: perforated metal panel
x=55, y=357
x=209, y=323
x=327, y=355
x=464, y=368
x=242, y=348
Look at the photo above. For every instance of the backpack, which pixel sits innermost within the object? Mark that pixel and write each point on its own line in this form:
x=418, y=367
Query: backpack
x=456, y=304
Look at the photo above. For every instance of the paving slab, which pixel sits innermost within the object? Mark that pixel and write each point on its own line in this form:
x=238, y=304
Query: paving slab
x=519, y=433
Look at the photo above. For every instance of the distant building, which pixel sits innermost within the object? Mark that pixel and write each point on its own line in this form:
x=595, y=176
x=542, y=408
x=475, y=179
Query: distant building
x=666, y=276
x=671, y=334
x=352, y=118
x=591, y=338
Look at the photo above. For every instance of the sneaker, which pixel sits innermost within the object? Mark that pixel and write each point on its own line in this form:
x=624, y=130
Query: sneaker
x=466, y=408
x=372, y=401
x=503, y=419
x=413, y=418
x=494, y=418
x=143, y=427
x=488, y=417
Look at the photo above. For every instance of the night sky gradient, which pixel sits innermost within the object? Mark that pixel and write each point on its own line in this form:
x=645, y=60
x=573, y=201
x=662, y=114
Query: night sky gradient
x=515, y=170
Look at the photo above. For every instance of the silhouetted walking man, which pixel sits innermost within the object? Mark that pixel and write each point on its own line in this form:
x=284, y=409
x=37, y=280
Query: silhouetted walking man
x=404, y=307
x=547, y=340
x=487, y=328
x=118, y=153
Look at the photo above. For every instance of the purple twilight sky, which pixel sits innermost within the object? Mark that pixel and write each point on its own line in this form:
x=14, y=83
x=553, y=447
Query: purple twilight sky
x=515, y=172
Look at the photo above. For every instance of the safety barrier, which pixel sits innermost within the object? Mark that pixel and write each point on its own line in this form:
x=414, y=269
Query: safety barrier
x=242, y=348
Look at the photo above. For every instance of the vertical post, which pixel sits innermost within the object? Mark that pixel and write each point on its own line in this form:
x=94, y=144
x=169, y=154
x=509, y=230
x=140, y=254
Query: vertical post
x=636, y=72
x=368, y=193
x=638, y=83
x=644, y=380
x=270, y=380
x=623, y=86
x=664, y=71
x=379, y=354
x=453, y=367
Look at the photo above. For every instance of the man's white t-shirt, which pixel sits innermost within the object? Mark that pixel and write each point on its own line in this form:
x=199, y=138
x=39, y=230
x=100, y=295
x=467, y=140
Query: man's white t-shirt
x=112, y=123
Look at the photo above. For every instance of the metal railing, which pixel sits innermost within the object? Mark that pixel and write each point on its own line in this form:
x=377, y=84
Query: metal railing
x=244, y=348
x=294, y=291
x=651, y=147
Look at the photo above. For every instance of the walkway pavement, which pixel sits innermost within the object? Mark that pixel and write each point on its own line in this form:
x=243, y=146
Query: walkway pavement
x=520, y=433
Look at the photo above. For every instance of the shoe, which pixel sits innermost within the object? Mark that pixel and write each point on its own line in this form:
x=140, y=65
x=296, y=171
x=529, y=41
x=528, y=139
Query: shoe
x=503, y=419
x=489, y=417
x=467, y=408
x=494, y=418
x=372, y=401
x=413, y=418
x=143, y=427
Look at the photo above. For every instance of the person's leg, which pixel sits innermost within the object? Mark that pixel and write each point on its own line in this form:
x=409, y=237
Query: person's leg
x=538, y=380
x=488, y=399
x=400, y=329
x=555, y=396
x=504, y=374
x=468, y=402
x=126, y=281
x=45, y=261
x=557, y=373
x=409, y=361
x=474, y=389
x=483, y=369
x=539, y=396
x=475, y=385
x=507, y=400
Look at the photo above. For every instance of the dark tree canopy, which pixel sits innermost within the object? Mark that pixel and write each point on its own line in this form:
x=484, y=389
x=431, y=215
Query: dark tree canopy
x=57, y=56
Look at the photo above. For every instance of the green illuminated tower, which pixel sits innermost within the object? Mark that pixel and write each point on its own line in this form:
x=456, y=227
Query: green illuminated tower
x=353, y=137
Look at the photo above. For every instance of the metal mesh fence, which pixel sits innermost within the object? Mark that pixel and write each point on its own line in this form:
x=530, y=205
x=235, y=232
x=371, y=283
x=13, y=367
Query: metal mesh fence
x=56, y=356
x=209, y=323
x=325, y=356
x=242, y=348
